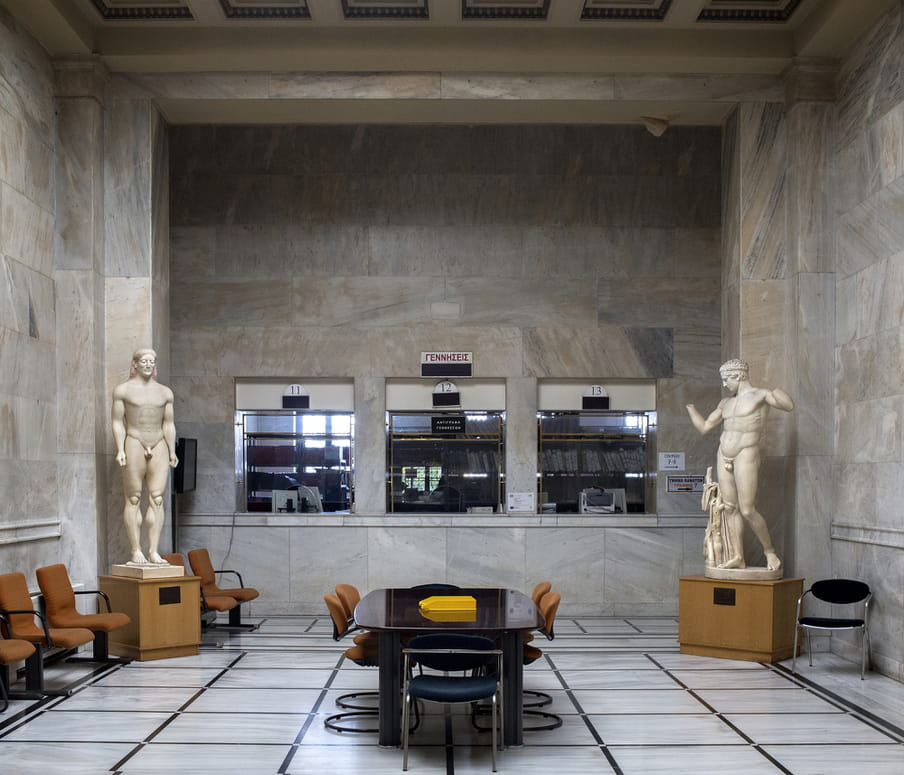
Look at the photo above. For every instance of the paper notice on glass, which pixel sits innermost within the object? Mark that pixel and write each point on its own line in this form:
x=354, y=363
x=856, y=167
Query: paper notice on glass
x=522, y=501
x=671, y=461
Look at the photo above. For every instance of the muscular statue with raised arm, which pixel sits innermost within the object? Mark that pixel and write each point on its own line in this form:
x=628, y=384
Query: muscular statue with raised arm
x=743, y=419
x=145, y=436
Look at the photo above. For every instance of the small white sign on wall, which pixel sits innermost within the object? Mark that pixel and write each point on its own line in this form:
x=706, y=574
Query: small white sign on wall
x=522, y=501
x=671, y=461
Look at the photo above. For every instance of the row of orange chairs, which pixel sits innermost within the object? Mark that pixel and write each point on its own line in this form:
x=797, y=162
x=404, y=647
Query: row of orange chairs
x=27, y=631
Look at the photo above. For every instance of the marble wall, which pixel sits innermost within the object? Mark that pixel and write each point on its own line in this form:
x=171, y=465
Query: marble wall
x=868, y=522
x=569, y=252
x=30, y=521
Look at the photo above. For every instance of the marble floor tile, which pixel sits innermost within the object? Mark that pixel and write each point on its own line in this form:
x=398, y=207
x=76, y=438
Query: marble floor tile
x=691, y=760
x=113, y=698
x=834, y=759
x=638, y=701
x=293, y=678
x=618, y=679
x=219, y=700
x=637, y=729
x=766, y=701
x=240, y=759
x=691, y=661
x=806, y=728
x=183, y=676
x=89, y=726
x=250, y=728
x=733, y=679
x=80, y=758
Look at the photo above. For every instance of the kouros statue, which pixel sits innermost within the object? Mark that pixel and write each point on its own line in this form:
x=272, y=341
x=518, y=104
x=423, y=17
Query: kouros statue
x=731, y=500
x=145, y=437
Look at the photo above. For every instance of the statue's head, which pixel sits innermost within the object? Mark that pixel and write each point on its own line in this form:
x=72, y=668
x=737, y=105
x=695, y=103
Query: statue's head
x=143, y=358
x=734, y=366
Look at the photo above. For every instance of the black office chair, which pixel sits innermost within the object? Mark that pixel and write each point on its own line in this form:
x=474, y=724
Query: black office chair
x=836, y=592
x=452, y=653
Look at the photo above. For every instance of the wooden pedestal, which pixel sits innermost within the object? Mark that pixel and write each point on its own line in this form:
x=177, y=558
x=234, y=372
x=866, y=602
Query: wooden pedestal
x=752, y=620
x=165, y=613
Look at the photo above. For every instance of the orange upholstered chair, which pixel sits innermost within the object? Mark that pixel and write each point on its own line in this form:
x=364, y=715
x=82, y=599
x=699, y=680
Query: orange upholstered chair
x=215, y=603
x=59, y=607
x=349, y=595
x=199, y=559
x=19, y=622
x=541, y=589
x=11, y=651
x=364, y=653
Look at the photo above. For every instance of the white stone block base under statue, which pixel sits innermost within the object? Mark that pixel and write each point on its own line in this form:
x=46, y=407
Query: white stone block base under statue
x=730, y=500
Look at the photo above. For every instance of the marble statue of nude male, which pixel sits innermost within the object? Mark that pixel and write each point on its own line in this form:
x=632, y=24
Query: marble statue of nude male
x=145, y=436
x=743, y=419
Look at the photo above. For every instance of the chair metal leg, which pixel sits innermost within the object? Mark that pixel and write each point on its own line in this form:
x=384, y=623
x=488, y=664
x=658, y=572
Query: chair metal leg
x=809, y=648
x=406, y=705
x=495, y=714
x=794, y=652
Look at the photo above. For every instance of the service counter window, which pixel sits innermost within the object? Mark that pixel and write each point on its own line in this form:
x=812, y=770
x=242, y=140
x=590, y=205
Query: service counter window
x=296, y=460
x=445, y=461
x=596, y=462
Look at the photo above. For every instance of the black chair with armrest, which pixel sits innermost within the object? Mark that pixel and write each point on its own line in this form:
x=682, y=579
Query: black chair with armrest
x=836, y=592
x=474, y=656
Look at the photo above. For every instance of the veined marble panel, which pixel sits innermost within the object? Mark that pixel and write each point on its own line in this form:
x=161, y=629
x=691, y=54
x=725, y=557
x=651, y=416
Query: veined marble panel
x=696, y=353
x=440, y=251
x=339, y=352
x=370, y=445
x=814, y=399
x=34, y=361
x=206, y=400
x=127, y=324
x=26, y=88
x=808, y=544
x=192, y=252
x=328, y=249
x=521, y=434
x=517, y=86
x=872, y=230
x=79, y=512
x=764, y=342
x=870, y=431
x=608, y=351
x=127, y=238
x=245, y=303
x=26, y=161
x=369, y=302
x=206, y=85
x=761, y=148
x=251, y=253
x=29, y=301
x=354, y=85
x=869, y=368
x=30, y=489
x=810, y=225
x=727, y=87
x=888, y=478
x=870, y=81
x=320, y=558
x=486, y=557
x=79, y=177
x=397, y=557
x=549, y=551
x=211, y=496
x=873, y=159
x=27, y=230
x=533, y=302
x=75, y=362
x=642, y=566
x=689, y=303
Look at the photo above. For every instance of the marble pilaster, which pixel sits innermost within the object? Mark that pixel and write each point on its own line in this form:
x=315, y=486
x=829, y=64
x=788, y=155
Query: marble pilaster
x=521, y=435
x=370, y=444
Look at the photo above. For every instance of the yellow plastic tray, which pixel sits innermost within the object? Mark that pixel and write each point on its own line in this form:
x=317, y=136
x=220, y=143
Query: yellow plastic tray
x=449, y=608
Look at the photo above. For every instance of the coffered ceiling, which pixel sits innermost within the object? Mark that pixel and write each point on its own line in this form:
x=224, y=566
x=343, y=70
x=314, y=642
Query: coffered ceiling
x=526, y=37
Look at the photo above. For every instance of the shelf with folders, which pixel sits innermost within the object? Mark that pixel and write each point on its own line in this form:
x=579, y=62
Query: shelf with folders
x=445, y=461
x=295, y=461
x=606, y=456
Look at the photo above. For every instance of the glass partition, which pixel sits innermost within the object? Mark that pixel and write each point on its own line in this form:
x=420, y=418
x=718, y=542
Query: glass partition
x=296, y=461
x=596, y=462
x=445, y=461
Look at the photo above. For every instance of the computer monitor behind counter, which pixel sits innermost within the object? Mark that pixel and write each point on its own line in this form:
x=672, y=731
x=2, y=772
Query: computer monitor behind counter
x=302, y=499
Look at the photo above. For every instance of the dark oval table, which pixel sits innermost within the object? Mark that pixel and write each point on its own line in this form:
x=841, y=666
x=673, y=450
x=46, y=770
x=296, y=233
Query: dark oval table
x=393, y=613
